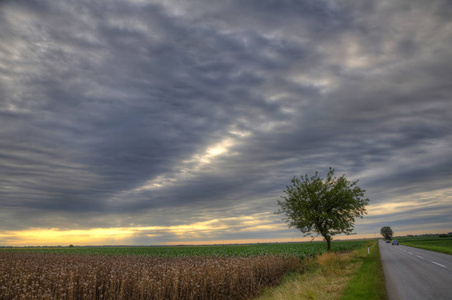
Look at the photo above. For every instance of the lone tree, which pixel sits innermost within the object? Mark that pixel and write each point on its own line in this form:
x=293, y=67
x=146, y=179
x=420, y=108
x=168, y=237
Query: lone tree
x=323, y=206
x=386, y=232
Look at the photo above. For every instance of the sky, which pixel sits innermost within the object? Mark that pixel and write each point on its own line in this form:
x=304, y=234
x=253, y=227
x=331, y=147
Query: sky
x=182, y=122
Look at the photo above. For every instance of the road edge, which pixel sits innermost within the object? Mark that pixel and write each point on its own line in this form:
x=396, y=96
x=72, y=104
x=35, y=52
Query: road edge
x=391, y=289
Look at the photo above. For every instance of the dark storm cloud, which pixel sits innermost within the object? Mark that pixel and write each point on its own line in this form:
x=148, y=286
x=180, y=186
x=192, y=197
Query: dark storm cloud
x=110, y=111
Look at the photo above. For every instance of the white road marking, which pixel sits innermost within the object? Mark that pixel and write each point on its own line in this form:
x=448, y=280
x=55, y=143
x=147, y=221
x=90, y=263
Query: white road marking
x=423, y=258
x=438, y=264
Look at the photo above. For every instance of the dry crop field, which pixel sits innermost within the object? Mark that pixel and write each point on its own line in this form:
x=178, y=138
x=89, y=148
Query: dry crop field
x=57, y=276
x=36, y=274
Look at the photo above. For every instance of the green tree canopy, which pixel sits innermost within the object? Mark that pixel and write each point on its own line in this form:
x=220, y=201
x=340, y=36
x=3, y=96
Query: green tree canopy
x=324, y=207
x=386, y=232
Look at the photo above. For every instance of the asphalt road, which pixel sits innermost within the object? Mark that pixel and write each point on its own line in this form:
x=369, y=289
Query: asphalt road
x=413, y=273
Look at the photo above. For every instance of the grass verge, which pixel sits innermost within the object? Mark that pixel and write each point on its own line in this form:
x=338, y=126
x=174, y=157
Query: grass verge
x=440, y=249
x=369, y=281
x=443, y=245
x=350, y=275
x=326, y=277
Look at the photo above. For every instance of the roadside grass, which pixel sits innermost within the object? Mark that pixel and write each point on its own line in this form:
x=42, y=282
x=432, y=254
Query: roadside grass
x=347, y=275
x=324, y=277
x=369, y=281
x=438, y=244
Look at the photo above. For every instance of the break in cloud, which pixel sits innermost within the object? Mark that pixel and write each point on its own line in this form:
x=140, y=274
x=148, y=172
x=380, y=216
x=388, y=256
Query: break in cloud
x=182, y=121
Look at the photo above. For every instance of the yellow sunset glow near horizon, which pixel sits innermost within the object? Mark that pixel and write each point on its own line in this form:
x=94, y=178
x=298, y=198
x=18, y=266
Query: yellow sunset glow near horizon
x=123, y=236
x=119, y=236
x=205, y=232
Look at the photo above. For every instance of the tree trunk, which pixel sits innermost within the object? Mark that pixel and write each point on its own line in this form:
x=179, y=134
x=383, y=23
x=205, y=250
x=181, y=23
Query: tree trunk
x=328, y=242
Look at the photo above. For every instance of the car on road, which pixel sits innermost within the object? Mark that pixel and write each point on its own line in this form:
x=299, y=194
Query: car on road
x=388, y=241
x=395, y=242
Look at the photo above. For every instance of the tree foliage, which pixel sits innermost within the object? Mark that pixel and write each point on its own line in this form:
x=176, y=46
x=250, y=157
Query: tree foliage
x=386, y=232
x=325, y=207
